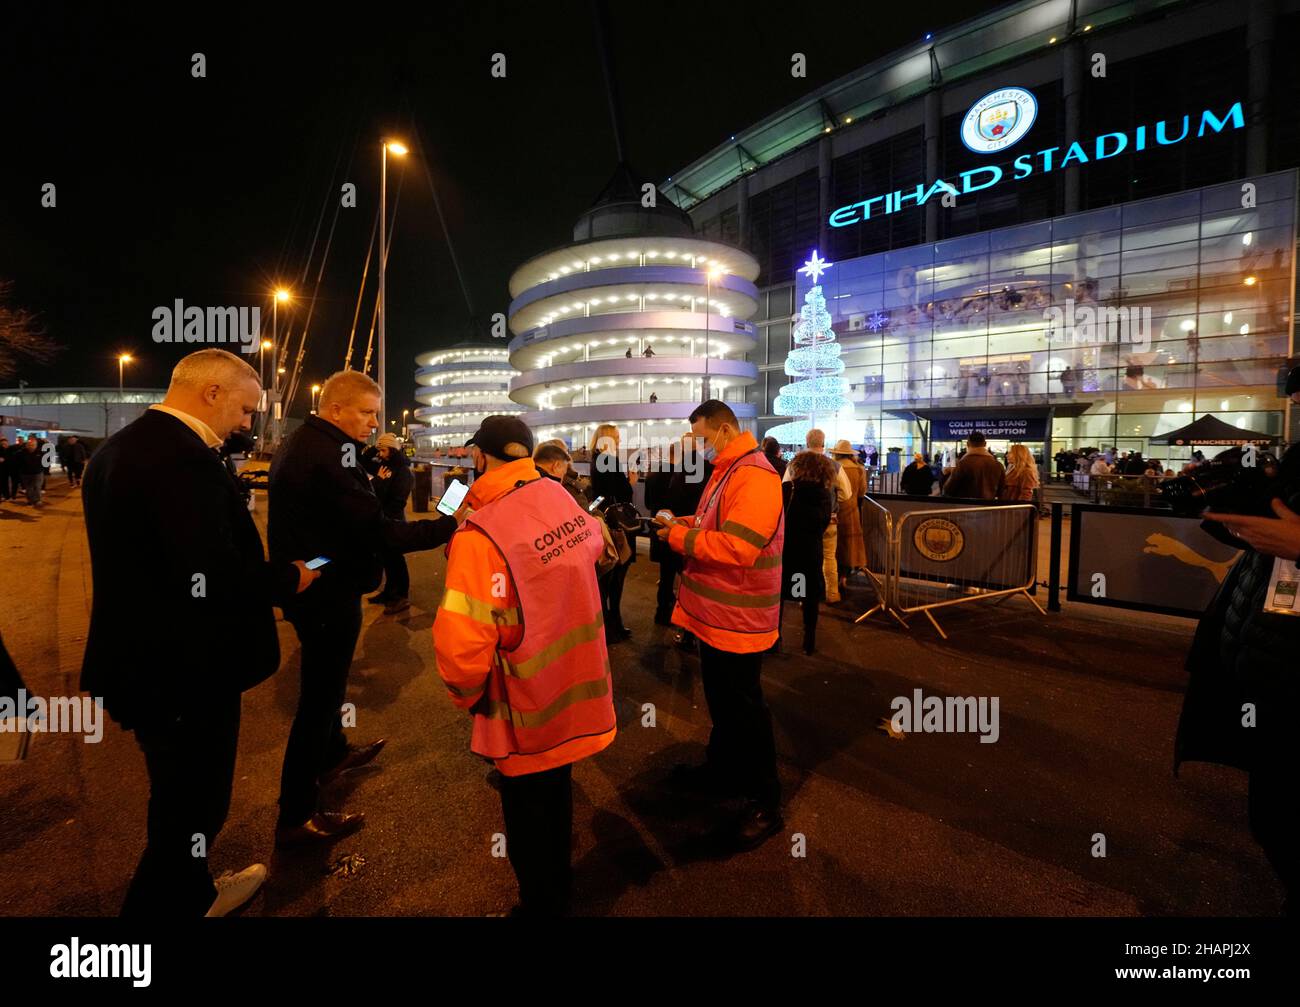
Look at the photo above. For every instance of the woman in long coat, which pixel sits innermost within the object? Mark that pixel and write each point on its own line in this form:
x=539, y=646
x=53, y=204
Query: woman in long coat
x=850, y=548
x=612, y=480
x=809, y=497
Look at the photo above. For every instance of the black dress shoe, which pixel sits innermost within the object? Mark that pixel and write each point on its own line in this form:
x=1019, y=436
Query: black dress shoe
x=616, y=633
x=355, y=757
x=755, y=827
x=322, y=827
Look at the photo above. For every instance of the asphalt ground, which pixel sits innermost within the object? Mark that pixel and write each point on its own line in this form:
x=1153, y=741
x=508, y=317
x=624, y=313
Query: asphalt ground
x=930, y=824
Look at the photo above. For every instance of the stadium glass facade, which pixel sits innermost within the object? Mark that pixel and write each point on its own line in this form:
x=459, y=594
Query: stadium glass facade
x=1104, y=327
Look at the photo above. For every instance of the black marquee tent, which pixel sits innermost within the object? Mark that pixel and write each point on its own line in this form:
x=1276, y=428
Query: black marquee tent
x=1211, y=431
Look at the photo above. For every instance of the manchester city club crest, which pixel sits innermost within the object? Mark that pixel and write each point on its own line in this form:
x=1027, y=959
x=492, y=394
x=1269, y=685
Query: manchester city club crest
x=998, y=120
x=939, y=540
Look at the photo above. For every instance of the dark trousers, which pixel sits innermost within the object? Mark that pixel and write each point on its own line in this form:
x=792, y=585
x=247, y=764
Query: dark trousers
x=328, y=633
x=669, y=568
x=741, y=746
x=1271, y=809
x=191, y=765
x=810, y=608
x=33, y=486
x=611, y=595
x=74, y=470
x=397, y=578
x=538, y=809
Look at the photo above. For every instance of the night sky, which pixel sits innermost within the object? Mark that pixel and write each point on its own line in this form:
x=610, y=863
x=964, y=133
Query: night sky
x=209, y=190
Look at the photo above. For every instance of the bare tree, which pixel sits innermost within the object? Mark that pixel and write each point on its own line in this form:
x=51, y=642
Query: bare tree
x=21, y=336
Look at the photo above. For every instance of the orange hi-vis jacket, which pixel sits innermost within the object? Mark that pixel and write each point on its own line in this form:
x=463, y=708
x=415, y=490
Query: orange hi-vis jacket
x=730, y=593
x=519, y=636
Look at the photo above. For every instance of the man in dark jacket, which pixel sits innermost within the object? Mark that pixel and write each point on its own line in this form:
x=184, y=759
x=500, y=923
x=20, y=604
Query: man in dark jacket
x=74, y=459
x=678, y=489
x=12, y=481
x=392, y=481
x=978, y=476
x=180, y=576
x=322, y=505
x=1242, y=688
x=33, y=466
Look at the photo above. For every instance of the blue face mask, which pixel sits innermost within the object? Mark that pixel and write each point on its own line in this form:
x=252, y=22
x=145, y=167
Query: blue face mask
x=709, y=452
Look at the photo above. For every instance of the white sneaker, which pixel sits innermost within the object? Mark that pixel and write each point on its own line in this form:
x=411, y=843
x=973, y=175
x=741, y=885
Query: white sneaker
x=233, y=890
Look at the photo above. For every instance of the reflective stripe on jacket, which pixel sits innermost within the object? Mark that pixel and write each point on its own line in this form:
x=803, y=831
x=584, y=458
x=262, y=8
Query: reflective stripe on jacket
x=519, y=635
x=730, y=594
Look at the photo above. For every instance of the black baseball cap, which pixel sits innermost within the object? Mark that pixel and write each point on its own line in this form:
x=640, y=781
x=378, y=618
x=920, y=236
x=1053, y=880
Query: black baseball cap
x=495, y=432
x=1293, y=381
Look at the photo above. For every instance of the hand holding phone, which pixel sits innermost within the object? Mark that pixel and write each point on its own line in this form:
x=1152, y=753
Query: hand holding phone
x=306, y=574
x=451, y=500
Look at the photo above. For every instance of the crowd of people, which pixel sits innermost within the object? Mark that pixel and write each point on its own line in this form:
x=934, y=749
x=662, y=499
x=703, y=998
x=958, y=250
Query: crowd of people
x=27, y=464
x=537, y=558
x=530, y=537
x=1108, y=462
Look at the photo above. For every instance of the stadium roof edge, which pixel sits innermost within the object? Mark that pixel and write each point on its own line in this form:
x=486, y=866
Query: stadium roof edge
x=1008, y=32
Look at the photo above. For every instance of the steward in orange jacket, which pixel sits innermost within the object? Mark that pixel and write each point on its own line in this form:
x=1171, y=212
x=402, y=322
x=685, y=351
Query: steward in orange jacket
x=520, y=643
x=730, y=597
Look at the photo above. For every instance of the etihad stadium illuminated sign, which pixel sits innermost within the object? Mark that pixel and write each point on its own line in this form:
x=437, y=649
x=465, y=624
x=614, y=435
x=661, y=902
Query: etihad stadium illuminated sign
x=995, y=123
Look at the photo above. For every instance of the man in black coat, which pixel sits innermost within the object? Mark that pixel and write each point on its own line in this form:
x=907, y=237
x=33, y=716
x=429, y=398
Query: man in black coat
x=392, y=480
x=11, y=473
x=33, y=468
x=1242, y=687
x=74, y=459
x=322, y=505
x=182, y=622
x=677, y=488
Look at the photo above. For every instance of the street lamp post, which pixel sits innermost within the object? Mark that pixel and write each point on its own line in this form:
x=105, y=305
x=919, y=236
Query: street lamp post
x=399, y=150
x=122, y=360
x=315, y=390
x=405, y=429
x=281, y=295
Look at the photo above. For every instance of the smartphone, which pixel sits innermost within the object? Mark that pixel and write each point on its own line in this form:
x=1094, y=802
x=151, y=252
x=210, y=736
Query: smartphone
x=594, y=504
x=317, y=563
x=452, y=499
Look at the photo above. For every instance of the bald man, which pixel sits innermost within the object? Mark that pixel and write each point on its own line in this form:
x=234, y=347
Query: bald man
x=182, y=622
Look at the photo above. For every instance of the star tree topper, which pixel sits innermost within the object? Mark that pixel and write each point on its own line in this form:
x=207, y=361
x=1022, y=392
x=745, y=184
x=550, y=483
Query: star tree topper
x=814, y=267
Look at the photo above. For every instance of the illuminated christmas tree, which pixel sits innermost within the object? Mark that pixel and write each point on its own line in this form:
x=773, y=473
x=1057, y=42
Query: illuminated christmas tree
x=815, y=363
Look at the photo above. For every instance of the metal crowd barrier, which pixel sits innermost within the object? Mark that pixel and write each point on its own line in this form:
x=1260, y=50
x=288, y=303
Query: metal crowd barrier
x=923, y=559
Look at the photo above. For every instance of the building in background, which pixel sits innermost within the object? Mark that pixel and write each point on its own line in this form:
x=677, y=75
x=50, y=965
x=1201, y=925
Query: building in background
x=86, y=412
x=629, y=322
x=974, y=189
x=458, y=387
